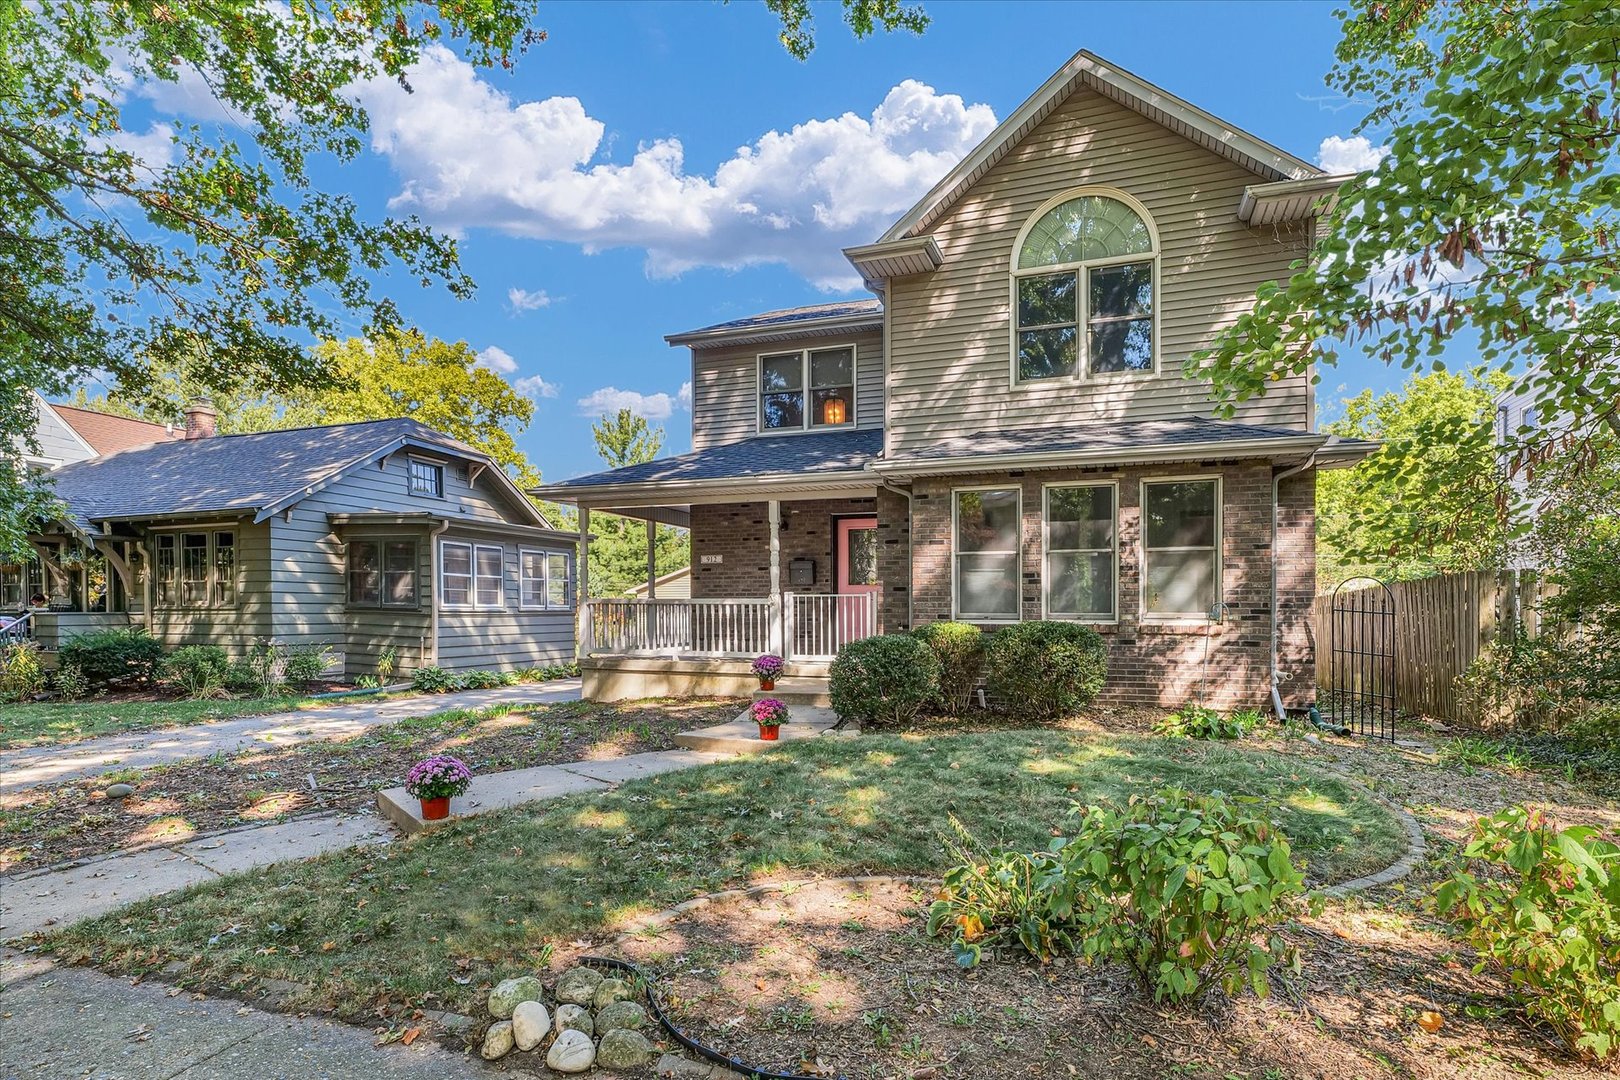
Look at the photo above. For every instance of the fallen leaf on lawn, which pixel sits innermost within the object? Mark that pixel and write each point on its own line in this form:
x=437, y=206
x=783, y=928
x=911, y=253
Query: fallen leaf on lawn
x=1431, y=1021
x=410, y=1036
x=328, y=946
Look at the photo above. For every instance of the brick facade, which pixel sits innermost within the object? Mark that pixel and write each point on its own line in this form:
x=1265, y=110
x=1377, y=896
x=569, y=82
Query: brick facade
x=737, y=533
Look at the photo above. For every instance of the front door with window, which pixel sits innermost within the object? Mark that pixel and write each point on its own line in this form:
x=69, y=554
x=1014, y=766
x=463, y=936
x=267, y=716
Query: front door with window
x=857, y=575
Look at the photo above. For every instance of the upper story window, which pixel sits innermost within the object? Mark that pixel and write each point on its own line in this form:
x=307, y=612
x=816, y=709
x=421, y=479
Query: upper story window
x=427, y=477
x=808, y=389
x=1084, y=276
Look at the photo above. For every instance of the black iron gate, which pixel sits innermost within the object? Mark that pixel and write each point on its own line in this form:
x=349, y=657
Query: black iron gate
x=1360, y=690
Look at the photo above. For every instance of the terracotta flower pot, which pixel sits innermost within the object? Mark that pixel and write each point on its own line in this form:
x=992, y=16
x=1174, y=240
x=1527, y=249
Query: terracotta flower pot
x=769, y=733
x=767, y=684
x=436, y=809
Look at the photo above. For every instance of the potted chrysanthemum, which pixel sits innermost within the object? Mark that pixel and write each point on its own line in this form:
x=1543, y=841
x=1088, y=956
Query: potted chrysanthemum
x=767, y=669
x=435, y=781
x=770, y=714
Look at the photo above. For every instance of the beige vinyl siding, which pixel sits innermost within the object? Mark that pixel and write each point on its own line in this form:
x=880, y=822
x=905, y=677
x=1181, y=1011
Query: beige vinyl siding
x=510, y=638
x=951, y=345
x=725, y=385
x=237, y=628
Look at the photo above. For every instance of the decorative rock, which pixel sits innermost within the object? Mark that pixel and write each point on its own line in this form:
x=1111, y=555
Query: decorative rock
x=575, y=1018
x=676, y=1066
x=498, y=1040
x=530, y=1024
x=608, y=991
x=578, y=985
x=622, y=1014
x=623, y=1049
x=120, y=791
x=508, y=992
x=573, y=1052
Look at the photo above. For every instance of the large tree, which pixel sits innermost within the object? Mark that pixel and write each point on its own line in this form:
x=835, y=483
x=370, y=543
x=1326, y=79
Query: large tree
x=1491, y=225
x=619, y=545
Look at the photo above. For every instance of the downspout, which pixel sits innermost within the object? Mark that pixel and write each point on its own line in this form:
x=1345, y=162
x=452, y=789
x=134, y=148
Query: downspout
x=1276, y=510
x=433, y=587
x=911, y=586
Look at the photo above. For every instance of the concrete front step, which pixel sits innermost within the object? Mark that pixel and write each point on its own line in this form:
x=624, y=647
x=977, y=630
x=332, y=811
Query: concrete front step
x=741, y=736
x=798, y=690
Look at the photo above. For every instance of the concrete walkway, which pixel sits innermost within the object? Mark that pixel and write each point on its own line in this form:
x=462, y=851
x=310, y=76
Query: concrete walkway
x=73, y=1022
x=38, y=765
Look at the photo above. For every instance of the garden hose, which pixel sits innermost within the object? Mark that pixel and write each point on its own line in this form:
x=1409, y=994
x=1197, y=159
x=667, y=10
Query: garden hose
x=1323, y=725
x=705, y=1052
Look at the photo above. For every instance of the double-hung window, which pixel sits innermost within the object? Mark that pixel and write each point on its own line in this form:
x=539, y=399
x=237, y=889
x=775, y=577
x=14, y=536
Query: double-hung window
x=546, y=580
x=986, y=529
x=194, y=569
x=1083, y=292
x=1081, y=552
x=472, y=575
x=427, y=477
x=1181, y=548
x=806, y=390
x=382, y=573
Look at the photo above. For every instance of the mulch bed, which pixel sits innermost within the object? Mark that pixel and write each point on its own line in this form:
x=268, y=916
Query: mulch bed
x=172, y=804
x=834, y=979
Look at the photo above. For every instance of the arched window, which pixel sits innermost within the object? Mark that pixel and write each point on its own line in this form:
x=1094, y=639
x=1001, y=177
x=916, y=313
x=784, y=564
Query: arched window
x=1086, y=264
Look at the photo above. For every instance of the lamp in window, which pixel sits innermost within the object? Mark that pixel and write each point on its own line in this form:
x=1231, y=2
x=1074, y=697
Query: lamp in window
x=835, y=410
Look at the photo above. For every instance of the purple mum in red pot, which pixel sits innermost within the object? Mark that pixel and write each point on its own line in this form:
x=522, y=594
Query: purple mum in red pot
x=435, y=781
x=767, y=669
x=770, y=714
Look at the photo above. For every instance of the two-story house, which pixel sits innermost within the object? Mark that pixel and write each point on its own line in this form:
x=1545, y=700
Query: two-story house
x=1007, y=432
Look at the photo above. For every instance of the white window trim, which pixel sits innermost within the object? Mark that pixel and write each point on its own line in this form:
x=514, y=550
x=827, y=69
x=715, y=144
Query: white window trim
x=956, y=612
x=1188, y=618
x=499, y=550
x=410, y=481
x=174, y=603
x=1046, y=550
x=804, y=376
x=544, y=579
x=473, y=548
x=1082, y=294
x=569, y=584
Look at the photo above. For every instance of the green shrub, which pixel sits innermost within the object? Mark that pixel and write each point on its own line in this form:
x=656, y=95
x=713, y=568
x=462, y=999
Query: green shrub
x=304, y=664
x=1198, y=722
x=22, y=674
x=1045, y=670
x=128, y=653
x=883, y=680
x=486, y=680
x=1179, y=886
x=240, y=676
x=198, y=671
x=434, y=680
x=1548, y=915
x=385, y=666
x=69, y=683
x=960, y=650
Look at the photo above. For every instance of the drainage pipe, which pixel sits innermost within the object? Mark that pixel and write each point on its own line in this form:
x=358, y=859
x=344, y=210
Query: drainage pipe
x=1276, y=510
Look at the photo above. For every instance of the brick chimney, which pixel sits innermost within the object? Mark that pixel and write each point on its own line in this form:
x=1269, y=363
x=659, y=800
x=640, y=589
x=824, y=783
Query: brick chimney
x=200, y=416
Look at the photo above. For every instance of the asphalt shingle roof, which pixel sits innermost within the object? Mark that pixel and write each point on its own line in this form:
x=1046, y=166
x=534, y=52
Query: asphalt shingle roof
x=228, y=472
x=763, y=455
x=1096, y=437
x=789, y=316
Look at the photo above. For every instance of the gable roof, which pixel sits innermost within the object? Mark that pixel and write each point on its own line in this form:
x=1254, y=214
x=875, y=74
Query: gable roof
x=108, y=434
x=810, y=320
x=1088, y=70
x=260, y=474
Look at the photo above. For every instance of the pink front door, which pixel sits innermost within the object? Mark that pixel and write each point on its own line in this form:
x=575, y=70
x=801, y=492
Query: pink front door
x=857, y=575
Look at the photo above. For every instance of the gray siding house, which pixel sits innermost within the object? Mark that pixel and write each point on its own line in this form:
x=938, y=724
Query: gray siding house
x=362, y=537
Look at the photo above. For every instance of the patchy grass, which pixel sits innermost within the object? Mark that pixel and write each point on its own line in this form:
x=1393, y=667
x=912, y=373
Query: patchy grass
x=43, y=723
x=72, y=820
x=433, y=922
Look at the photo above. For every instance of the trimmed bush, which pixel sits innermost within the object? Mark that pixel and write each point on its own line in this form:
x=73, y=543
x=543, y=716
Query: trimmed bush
x=105, y=656
x=960, y=650
x=1045, y=670
x=198, y=671
x=304, y=664
x=884, y=680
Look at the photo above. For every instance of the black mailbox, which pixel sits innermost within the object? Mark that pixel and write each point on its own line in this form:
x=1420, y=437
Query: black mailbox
x=801, y=571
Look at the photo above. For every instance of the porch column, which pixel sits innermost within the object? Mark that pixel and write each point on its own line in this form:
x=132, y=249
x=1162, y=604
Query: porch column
x=652, y=559
x=773, y=515
x=582, y=578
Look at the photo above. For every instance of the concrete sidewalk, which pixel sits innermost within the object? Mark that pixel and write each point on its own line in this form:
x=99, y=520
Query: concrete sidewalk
x=38, y=765
x=62, y=1021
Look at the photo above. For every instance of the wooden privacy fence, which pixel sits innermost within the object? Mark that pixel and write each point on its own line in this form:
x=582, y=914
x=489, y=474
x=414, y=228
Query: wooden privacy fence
x=1441, y=625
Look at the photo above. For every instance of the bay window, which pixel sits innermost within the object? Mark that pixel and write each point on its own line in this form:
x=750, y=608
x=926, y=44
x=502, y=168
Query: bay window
x=382, y=573
x=1081, y=552
x=807, y=390
x=1181, y=540
x=986, y=530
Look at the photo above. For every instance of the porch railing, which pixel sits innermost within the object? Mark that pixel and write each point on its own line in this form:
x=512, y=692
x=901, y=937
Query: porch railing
x=803, y=626
x=15, y=628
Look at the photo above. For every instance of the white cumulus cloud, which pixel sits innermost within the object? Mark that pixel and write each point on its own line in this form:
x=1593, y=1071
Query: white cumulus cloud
x=497, y=359
x=684, y=396
x=534, y=387
x=1355, y=154
x=521, y=300
x=610, y=399
x=468, y=156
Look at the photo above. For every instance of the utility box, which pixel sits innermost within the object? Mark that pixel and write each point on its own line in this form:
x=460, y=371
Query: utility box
x=801, y=571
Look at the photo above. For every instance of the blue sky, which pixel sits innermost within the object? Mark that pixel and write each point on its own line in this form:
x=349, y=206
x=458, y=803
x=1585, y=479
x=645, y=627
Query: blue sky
x=603, y=200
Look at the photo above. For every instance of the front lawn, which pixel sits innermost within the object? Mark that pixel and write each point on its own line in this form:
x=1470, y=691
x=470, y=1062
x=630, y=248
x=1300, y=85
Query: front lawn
x=431, y=923
x=53, y=722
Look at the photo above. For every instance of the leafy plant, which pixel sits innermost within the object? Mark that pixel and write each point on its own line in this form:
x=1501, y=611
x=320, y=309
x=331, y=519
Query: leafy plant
x=385, y=666
x=264, y=668
x=22, y=674
x=124, y=654
x=1547, y=913
x=304, y=664
x=438, y=777
x=434, y=680
x=199, y=671
x=1182, y=887
x=1198, y=722
x=485, y=680
x=1044, y=670
x=69, y=683
x=960, y=650
x=883, y=680
x=1471, y=753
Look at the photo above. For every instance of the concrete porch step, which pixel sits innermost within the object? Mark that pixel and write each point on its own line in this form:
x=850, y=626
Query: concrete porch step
x=799, y=690
x=741, y=736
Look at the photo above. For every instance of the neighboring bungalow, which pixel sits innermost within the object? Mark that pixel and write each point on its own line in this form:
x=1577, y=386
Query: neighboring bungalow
x=362, y=537
x=675, y=585
x=66, y=434
x=1007, y=433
